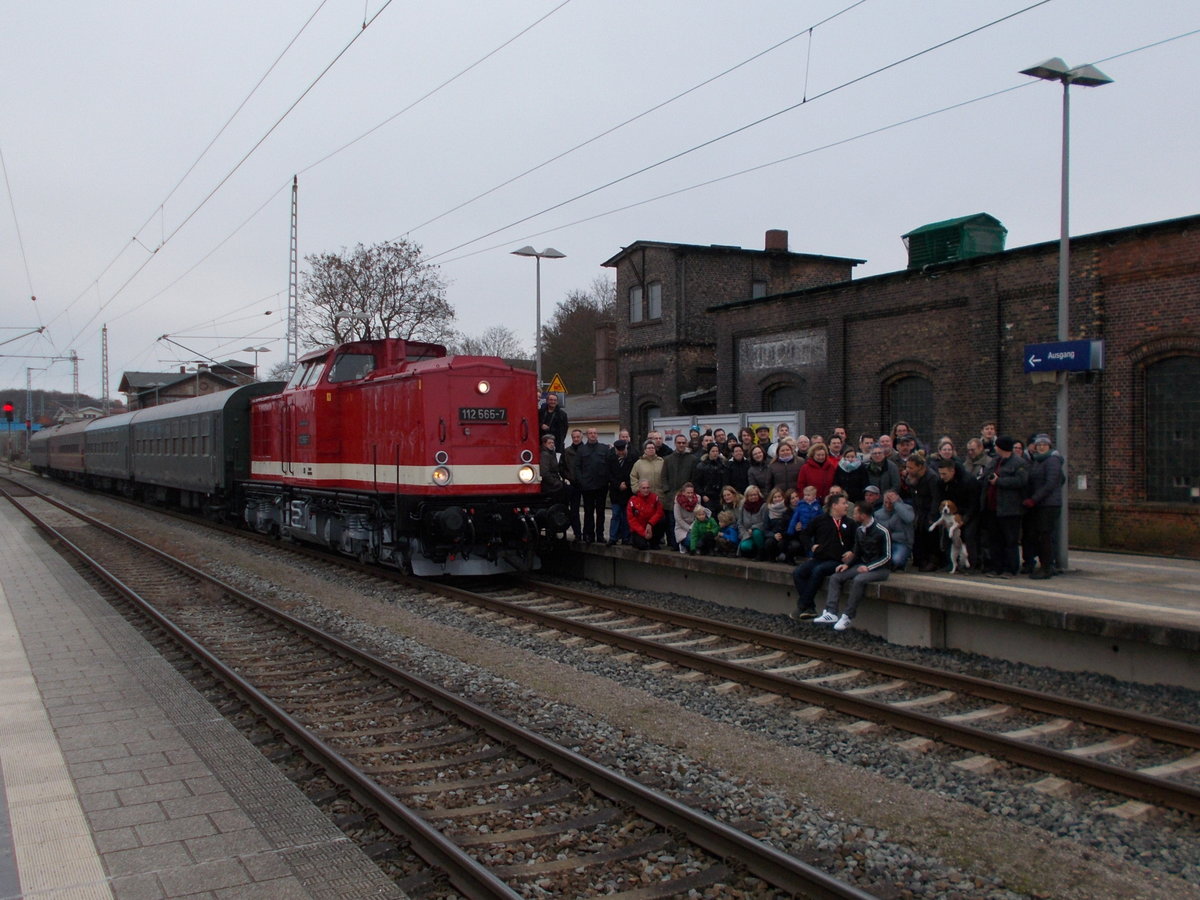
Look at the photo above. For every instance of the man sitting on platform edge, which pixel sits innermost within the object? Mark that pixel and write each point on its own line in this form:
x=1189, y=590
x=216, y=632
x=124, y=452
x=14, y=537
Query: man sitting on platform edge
x=869, y=563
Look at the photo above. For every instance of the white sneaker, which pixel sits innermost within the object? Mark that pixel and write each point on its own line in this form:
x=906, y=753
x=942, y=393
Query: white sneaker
x=825, y=618
x=843, y=623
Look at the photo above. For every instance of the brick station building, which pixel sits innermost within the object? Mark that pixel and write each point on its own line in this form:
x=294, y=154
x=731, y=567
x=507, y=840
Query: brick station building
x=711, y=329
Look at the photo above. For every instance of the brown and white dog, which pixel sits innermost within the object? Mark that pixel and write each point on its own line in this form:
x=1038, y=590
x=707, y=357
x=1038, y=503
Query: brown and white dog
x=949, y=519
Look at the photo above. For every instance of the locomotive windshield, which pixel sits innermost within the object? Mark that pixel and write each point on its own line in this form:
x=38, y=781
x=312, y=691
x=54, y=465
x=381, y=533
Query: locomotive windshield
x=352, y=366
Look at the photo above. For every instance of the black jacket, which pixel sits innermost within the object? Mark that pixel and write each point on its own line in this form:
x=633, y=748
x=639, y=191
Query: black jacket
x=618, y=474
x=827, y=539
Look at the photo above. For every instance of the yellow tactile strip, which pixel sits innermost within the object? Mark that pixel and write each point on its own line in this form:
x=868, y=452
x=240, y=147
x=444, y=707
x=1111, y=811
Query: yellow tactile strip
x=51, y=840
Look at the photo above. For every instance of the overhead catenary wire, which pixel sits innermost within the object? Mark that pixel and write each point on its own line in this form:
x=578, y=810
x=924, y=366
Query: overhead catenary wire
x=740, y=129
x=367, y=22
x=641, y=115
x=220, y=184
x=160, y=209
x=803, y=153
x=12, y=205
x=432, y=91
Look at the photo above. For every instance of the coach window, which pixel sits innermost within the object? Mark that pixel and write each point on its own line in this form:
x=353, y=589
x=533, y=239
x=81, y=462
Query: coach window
x=910, y=399
x=1172, y=429
x=635, y=304
x=352, y=366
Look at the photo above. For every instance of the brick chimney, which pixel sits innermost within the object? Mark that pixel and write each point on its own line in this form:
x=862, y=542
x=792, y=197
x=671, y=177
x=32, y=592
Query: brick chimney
x=606, y=356
x=777, y=239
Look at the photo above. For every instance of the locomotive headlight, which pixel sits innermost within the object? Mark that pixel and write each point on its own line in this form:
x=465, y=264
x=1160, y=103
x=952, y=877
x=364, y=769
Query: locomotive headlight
x=483, y=387
x=441, y=476
x=526, y=474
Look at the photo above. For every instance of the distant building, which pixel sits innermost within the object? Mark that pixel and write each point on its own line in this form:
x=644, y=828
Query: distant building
x=145, y=389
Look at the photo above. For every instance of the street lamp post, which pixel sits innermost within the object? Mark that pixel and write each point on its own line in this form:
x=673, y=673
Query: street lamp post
x=1055, y=69
x=256, y=351
x=539, y=255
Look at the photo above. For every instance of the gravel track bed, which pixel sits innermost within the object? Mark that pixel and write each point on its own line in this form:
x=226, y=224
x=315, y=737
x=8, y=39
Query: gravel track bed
x=895, y=823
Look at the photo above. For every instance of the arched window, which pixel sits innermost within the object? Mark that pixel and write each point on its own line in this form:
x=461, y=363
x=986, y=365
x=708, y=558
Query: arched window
x=1172, y=428
x=785, y=397
x=910, y=399
x=646, y=415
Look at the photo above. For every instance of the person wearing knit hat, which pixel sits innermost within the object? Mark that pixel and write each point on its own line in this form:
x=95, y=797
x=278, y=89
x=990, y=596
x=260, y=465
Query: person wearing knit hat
x=1044, y=503
x=1002, y=496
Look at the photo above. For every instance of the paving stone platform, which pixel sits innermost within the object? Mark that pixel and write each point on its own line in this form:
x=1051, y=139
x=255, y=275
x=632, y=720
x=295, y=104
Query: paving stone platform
x=117, y=779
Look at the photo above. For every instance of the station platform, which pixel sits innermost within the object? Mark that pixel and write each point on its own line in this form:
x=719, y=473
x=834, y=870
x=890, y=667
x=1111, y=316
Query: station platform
x=117, y=779
x=1136, y=618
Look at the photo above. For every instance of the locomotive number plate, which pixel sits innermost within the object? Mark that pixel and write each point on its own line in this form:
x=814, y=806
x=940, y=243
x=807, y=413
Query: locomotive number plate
x=482, y=414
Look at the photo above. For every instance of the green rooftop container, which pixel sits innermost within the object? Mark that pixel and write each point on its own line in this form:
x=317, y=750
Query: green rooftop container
x=953, y=239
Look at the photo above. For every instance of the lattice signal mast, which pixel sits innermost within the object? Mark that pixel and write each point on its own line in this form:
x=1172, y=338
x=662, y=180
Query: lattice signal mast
x=104, y=369
x=293, y=342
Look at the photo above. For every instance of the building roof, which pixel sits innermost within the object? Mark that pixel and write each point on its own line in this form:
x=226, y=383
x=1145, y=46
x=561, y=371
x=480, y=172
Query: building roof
x=725, y=248
x=140, y=382
x=1182, y=223
x=977, y=218
x=600, y=406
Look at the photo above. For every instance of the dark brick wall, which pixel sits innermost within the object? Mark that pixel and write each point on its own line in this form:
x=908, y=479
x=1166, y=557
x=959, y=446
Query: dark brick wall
x=961, y=325
x=660, y=359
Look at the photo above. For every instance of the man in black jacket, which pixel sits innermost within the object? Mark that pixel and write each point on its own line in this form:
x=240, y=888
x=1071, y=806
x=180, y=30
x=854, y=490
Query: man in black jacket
x=868, y=564
x=591, y=468
x=830, y=535
x=620, y=463
x=552, y=419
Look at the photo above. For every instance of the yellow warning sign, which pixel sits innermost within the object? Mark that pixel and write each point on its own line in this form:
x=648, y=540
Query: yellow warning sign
x=556, y=384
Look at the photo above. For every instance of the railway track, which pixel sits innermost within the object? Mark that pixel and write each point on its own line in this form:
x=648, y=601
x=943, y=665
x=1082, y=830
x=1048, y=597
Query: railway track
x=488, y=807
x=1146, y=759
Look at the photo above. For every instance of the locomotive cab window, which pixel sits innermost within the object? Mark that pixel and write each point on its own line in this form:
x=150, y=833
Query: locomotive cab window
x=313, y=373
x=298, y=376
x=352, y=366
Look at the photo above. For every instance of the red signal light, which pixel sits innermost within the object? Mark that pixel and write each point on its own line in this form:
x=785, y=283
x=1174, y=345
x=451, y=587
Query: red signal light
x=8, y=412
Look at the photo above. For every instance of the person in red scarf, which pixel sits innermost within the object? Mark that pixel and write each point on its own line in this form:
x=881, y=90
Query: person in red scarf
x=686, y=502
x=646, y=518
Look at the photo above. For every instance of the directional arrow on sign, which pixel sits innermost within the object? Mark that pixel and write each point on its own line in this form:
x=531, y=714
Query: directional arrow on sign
x=1034, y=360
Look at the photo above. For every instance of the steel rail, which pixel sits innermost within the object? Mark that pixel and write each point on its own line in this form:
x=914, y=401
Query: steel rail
x=1102, y=775
x=462, y=870
x=762, y=860
x=1153, y=727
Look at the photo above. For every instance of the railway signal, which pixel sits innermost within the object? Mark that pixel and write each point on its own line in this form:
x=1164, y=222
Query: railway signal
x=8, y=411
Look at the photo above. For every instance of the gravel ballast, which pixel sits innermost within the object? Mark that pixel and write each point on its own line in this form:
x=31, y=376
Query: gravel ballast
x=893, y=822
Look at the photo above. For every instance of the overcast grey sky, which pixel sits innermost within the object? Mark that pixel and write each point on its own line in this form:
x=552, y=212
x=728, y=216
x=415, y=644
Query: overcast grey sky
x=106, y=106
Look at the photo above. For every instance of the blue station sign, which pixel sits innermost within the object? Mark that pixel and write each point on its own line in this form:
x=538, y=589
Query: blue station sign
x=1065, y=356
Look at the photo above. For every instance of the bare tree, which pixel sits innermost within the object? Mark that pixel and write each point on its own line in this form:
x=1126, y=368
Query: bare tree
x=499, y=340
x=371, y=292
x=281, y=371
x=569, y=338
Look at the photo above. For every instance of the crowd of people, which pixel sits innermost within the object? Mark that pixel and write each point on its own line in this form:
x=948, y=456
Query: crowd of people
x=836, y=510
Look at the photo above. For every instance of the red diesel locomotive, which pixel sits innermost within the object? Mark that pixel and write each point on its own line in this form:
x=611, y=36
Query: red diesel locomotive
x=387, y=450
x=390, y=450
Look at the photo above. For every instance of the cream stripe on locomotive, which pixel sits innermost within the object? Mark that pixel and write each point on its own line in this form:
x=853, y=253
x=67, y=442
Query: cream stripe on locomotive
x=413, y=476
